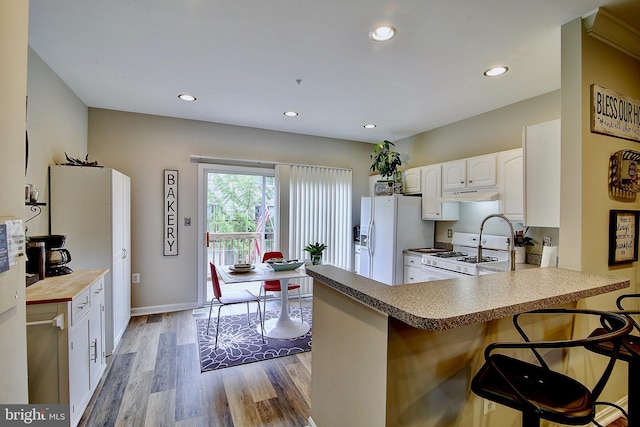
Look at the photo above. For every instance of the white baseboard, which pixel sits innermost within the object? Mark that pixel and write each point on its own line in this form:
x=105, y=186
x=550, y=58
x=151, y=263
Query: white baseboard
x=608, y=414
x=157, y=309
x=311, y=423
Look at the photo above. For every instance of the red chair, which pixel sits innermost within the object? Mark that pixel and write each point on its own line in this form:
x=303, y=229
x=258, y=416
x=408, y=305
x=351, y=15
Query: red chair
x=234, y=297
x=274, y=285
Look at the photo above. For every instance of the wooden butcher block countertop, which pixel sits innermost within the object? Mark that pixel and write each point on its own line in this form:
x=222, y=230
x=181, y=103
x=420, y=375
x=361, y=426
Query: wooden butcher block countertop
x=62, y=288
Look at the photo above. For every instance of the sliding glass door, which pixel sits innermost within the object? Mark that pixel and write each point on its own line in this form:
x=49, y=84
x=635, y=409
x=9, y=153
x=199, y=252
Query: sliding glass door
x=238, y=216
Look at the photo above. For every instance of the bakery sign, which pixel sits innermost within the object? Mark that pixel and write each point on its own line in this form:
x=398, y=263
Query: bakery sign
x=614, y=114
x=170, y=212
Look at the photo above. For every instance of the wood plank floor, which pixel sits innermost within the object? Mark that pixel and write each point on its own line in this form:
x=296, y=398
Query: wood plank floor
x=154, y=379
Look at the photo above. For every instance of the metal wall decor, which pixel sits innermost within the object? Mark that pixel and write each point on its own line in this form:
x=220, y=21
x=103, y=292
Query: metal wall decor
x=624, y=166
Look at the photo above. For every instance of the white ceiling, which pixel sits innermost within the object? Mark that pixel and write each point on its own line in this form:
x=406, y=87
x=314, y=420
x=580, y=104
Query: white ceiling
x=242, y=58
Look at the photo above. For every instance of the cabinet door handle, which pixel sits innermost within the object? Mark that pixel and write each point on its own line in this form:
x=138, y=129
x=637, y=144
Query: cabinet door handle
x=124, y=253
x=94, y=344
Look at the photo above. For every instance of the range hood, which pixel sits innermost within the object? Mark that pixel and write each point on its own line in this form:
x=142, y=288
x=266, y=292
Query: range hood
x=470, y=196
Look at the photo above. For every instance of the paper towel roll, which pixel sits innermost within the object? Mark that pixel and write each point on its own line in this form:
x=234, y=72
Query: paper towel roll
x=549, y=256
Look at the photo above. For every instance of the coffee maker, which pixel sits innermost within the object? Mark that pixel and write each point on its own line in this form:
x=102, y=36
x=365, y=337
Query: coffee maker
x=56, y=256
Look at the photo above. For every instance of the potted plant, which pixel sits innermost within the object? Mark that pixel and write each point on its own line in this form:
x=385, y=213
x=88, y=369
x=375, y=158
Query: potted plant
x=315, y=250
x=521, y=242
x=386, y=162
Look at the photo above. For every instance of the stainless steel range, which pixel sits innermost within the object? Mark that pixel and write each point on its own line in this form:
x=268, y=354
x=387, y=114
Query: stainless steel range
x=462, y=260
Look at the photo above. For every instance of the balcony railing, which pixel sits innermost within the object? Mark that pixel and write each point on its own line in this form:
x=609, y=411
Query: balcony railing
x=230, y=248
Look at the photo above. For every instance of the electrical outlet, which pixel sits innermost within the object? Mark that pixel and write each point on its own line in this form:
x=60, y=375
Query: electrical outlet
x=449, y=232
x=135, y=278
x=489, y=406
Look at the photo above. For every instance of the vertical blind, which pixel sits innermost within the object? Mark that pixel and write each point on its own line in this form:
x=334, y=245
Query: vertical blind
x=320, y=211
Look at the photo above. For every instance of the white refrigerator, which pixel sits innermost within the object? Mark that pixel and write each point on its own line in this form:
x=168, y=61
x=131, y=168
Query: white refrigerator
x=389, y=225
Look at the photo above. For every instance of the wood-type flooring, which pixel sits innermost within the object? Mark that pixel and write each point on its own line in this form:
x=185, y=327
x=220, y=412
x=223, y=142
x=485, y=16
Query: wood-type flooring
x=154, y=379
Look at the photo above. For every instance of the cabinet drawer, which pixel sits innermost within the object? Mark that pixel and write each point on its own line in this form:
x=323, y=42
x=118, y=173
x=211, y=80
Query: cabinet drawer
x=412, y=260
x=80, y=306
x=97, y=290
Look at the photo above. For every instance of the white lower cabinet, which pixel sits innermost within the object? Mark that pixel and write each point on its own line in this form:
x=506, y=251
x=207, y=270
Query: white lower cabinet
x=412, y=265
x=97, y=355
x=66, y=365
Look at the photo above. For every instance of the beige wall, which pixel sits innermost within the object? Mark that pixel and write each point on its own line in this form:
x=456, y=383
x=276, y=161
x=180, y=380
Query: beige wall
x=141, y=146
x=494, y=131
x=585, y=199
x=13, y=87
x=57, y=123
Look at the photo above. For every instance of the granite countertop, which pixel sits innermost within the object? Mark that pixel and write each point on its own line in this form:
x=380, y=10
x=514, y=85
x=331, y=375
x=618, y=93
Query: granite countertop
x=448, y=304
x=62, y=288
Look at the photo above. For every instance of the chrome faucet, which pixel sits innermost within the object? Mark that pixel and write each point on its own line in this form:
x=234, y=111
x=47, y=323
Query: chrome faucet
x=510, y=240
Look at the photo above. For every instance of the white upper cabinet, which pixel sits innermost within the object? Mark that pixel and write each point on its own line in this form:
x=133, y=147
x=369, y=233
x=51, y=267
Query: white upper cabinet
x=541, y=144
x=511, y=184
x=432, y=207
x=411, y=181
x=474, y=172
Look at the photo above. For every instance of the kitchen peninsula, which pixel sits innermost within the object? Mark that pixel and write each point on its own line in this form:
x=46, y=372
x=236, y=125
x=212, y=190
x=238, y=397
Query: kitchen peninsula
x=404, y=355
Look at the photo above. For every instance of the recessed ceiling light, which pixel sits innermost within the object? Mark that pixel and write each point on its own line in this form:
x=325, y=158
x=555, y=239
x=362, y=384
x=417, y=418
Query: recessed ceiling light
x=290, y=113
x=370, y=126
x=382, y=33
x=186, y=97
x=496, y=71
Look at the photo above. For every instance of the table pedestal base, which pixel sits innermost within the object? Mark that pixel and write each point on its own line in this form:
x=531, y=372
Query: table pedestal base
x=283, y=329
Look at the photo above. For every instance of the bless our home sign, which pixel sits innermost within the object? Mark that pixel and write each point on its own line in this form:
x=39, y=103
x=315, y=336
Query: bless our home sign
x=170, y=212
x=614, y=114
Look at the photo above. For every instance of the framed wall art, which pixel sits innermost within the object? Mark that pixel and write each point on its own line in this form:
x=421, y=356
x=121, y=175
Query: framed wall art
x=170, y=223
x=623, y=236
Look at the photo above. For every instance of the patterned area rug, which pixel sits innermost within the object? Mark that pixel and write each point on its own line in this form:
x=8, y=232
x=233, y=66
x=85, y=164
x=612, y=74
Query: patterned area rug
x=239, y=343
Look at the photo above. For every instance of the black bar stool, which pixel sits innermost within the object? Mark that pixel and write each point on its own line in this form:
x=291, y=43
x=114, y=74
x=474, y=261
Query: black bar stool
x=536, y=390
x=630, y=353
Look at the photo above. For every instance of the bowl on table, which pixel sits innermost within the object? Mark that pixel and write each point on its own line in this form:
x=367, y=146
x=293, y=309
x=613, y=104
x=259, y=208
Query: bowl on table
x=241, y=267
x=286, y=265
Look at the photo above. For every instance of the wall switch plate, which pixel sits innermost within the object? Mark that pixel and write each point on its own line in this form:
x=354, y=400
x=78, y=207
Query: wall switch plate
x=187, y=221
x=135, y=278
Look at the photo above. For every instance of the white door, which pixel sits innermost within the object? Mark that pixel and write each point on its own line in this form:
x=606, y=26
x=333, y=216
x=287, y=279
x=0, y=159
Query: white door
x=382, y=239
